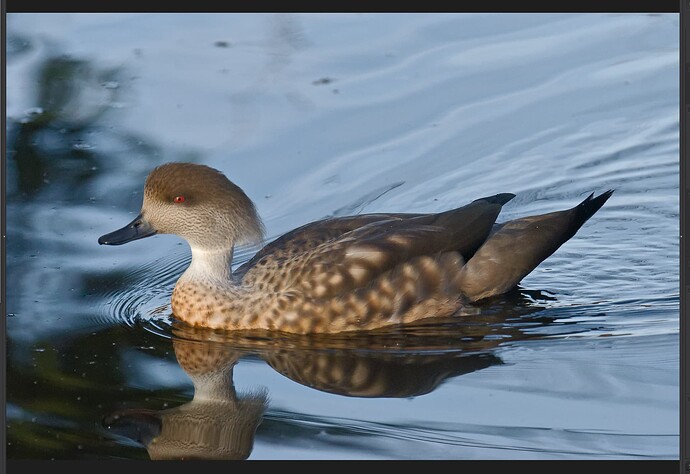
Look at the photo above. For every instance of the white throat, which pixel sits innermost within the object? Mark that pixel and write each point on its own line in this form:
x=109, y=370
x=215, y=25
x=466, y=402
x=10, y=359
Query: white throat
x=210, y=265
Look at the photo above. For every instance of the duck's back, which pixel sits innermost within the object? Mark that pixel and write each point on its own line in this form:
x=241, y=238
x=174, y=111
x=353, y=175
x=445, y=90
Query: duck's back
x=371, y=270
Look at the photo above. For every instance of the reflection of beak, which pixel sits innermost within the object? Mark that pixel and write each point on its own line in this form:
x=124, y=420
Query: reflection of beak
x=137, y=229
x=137, y=424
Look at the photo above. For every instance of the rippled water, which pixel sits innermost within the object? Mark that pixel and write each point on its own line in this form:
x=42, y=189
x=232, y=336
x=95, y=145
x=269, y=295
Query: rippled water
x=316, y=115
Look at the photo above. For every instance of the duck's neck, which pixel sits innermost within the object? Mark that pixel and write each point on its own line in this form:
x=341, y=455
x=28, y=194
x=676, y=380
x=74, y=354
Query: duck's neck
x=214, y=386
x=210, y=265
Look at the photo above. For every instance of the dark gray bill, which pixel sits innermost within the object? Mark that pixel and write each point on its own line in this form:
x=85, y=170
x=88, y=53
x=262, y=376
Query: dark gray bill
x=137, y=229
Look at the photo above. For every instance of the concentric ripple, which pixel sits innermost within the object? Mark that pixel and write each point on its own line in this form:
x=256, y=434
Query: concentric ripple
x=142, y=295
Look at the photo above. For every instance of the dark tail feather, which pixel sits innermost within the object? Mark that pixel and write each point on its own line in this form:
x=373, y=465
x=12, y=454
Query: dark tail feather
x=516, y=248
x=589, y=206
x=583, y=211
x=497, y=198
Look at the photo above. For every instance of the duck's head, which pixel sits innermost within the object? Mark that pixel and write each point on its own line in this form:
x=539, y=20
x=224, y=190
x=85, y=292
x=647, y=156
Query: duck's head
x=195, y=202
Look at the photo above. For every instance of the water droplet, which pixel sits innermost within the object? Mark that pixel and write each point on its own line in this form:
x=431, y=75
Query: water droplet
x=33, y=111
x=323, y=80
x=81, y=146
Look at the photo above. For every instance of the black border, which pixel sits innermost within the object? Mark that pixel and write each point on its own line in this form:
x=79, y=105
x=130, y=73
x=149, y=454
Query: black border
x=684, y=395
x=439, y=467
x=512, y=6
x=3, y=128
x=583, y=6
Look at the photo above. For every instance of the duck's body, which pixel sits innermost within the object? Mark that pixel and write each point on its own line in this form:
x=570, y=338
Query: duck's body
x=340, y=274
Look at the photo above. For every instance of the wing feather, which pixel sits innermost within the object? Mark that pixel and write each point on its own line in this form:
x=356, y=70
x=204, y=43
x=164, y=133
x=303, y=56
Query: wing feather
x=329, y=257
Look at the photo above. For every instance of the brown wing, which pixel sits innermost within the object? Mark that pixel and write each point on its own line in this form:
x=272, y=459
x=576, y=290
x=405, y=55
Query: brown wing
x=329, y=257
x=305, y=238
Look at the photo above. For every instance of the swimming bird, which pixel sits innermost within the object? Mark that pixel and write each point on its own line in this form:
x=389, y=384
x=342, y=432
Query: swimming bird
x=338, y=274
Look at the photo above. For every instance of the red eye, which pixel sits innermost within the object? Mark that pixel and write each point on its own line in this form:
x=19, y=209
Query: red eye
x=178, y=199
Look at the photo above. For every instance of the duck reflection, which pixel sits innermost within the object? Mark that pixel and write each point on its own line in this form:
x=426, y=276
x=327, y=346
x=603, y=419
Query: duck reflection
x=220, y=423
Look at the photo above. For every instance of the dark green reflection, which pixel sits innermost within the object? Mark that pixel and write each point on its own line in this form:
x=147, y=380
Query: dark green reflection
x=50, y=142
x=62, y=389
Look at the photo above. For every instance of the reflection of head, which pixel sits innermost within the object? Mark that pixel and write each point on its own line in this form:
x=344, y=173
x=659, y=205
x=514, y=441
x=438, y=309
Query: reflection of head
x=209, y=429
x=217, y=423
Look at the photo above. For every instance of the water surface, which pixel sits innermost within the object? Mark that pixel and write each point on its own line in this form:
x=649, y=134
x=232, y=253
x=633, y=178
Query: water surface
x=317, y=115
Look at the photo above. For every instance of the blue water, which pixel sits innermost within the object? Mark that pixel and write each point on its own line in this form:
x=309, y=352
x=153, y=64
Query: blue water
x=316, y=115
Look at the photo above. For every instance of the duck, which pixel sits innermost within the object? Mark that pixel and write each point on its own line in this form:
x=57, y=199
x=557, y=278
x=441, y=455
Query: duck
x=338, y=274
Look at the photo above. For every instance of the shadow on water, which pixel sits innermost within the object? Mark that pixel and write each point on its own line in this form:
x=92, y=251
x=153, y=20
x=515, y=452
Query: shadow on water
x=58, y=152
x=51, y=141
x=220, y=422
x=62, y=145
